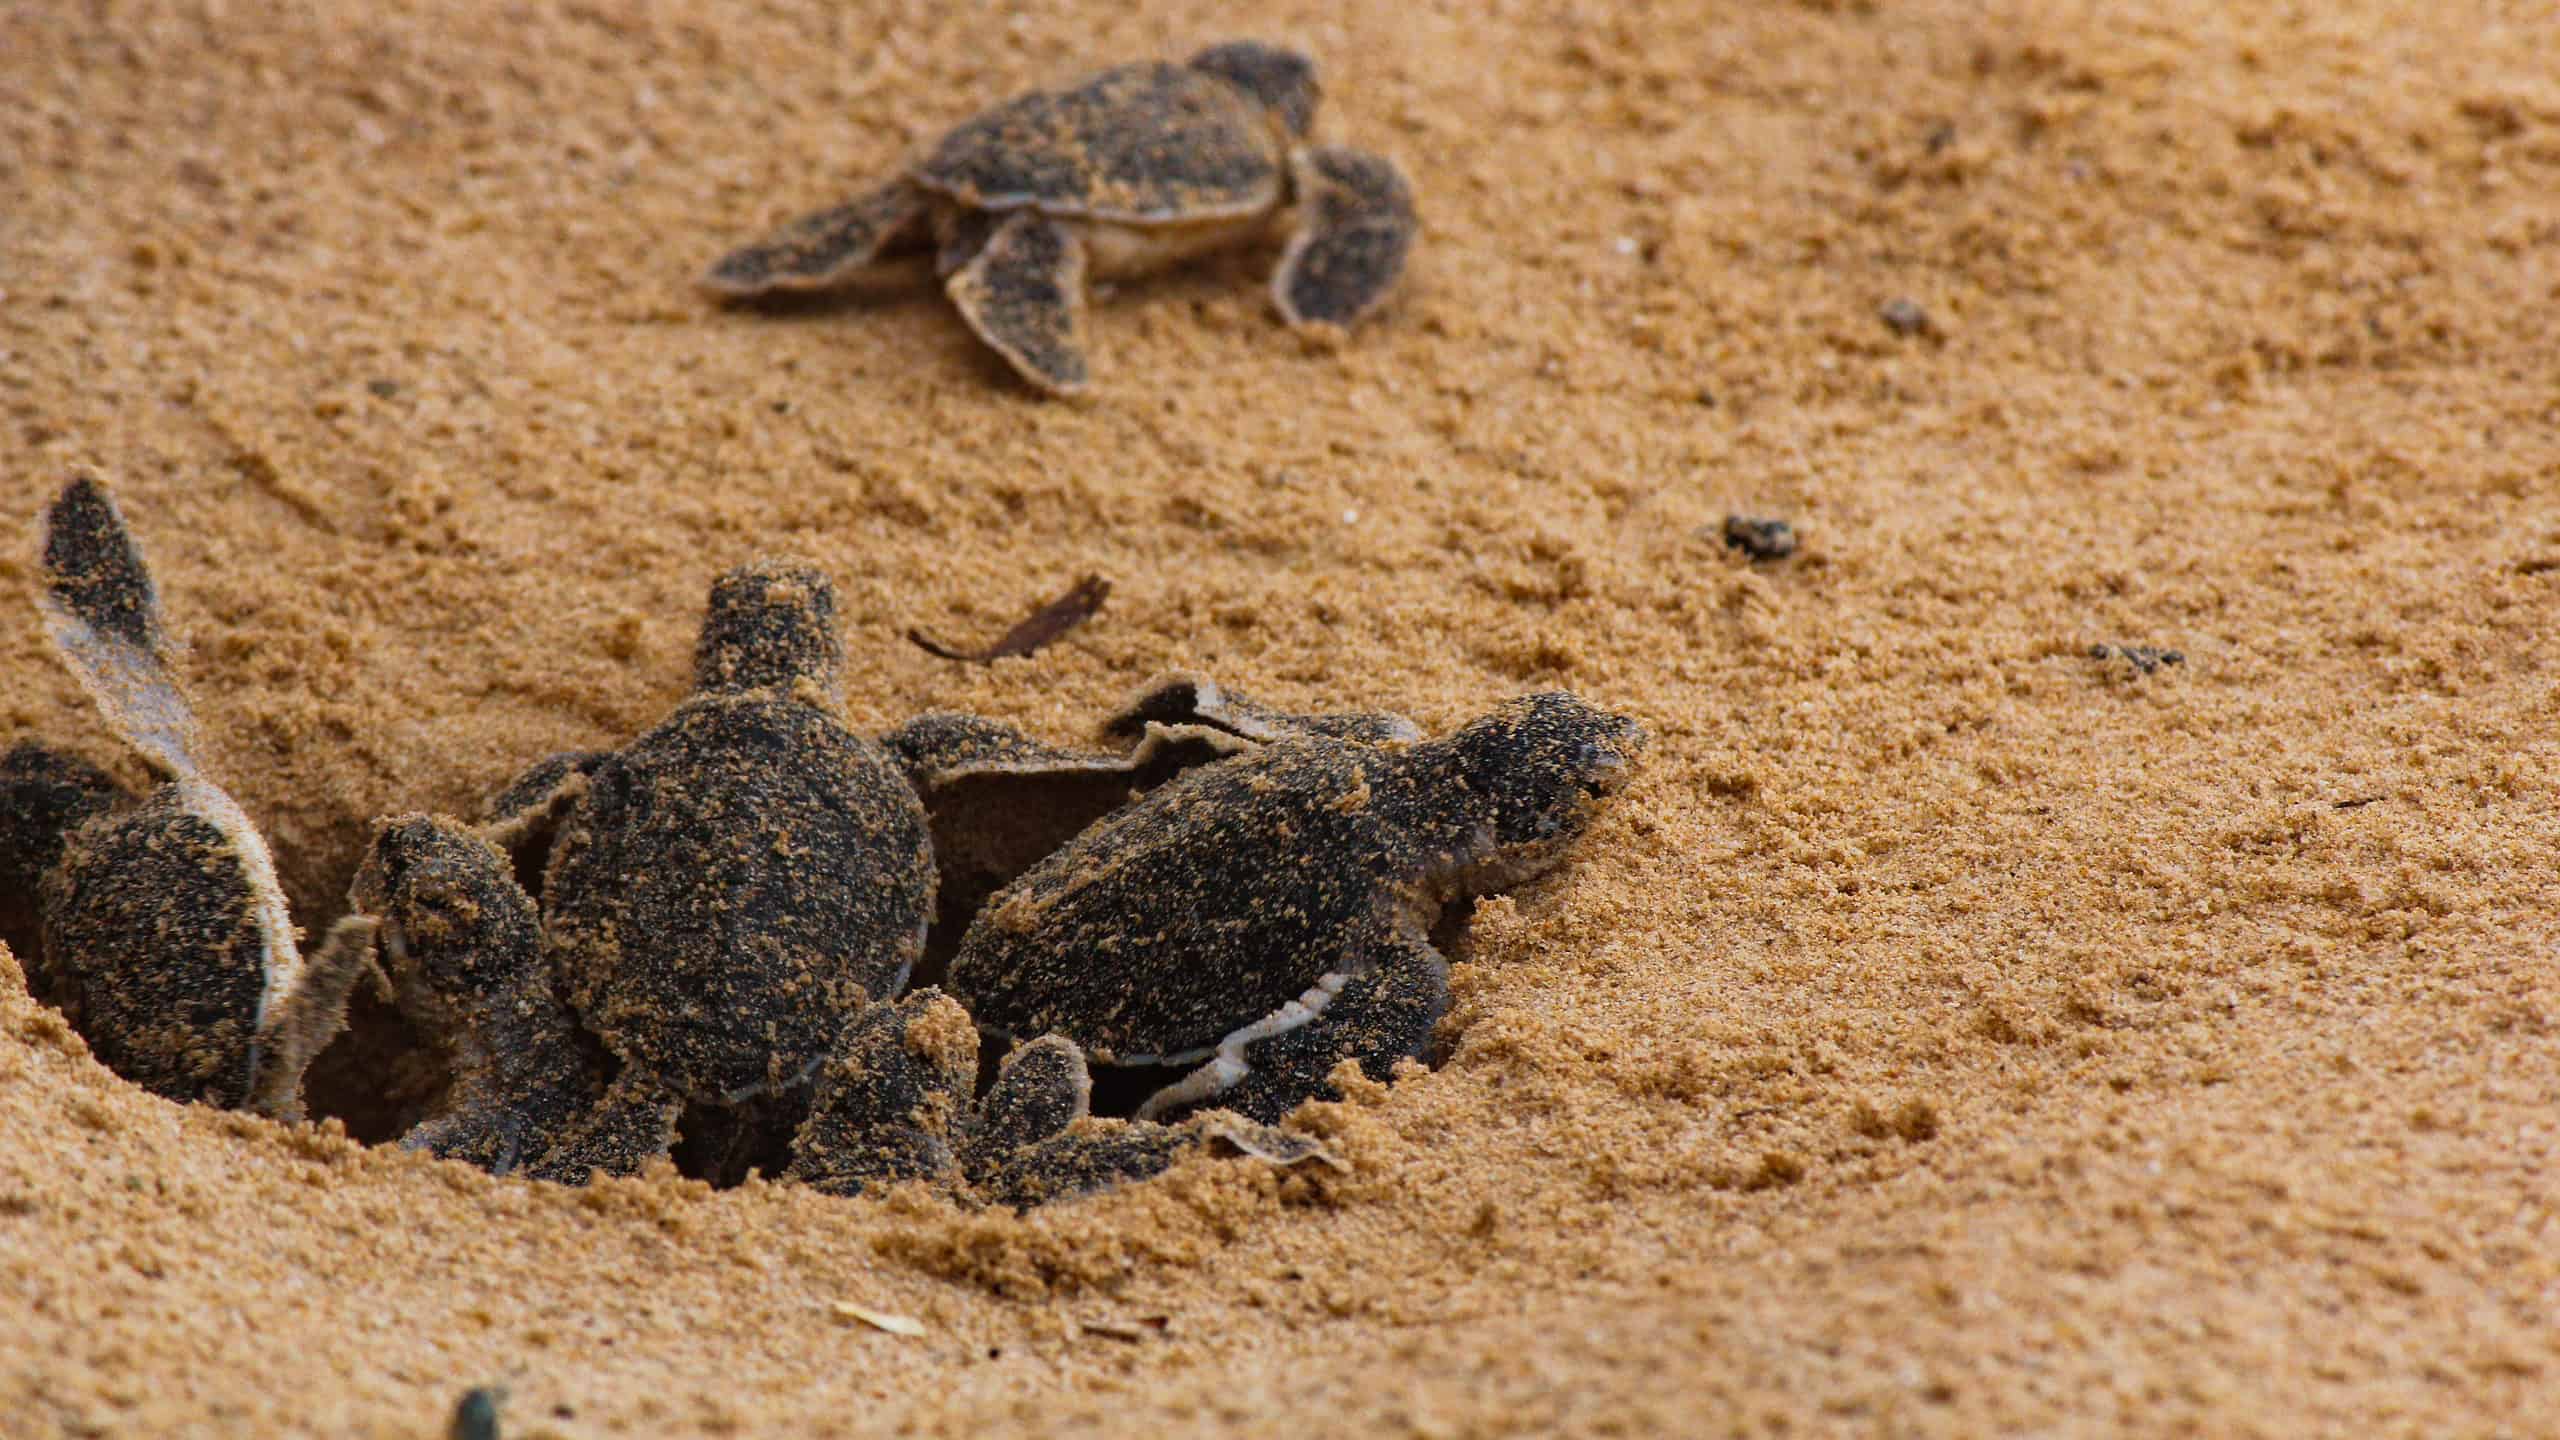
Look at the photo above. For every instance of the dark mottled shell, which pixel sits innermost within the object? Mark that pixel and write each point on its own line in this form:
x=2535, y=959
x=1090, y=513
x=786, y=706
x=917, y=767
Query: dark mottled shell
x=1202, y=907
x=734, y=885
x=1151, y=142
x=152, y=927
x=44, y=796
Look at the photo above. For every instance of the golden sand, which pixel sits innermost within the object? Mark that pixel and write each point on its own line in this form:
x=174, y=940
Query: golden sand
x=1949, y=1032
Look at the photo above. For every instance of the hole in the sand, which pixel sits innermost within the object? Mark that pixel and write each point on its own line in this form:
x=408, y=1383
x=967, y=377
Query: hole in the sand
x=721, y=1144
x=383, y=1074
x=379, y=1077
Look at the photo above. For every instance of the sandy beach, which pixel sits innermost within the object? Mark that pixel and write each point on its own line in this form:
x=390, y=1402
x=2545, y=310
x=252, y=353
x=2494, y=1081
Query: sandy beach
x=1955, y=1028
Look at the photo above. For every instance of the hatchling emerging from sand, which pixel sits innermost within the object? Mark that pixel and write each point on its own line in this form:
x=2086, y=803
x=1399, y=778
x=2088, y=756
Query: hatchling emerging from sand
x=717, y=897
x=1232, y=936
x=728, y=905
x=1135, y=169
x=165, y=937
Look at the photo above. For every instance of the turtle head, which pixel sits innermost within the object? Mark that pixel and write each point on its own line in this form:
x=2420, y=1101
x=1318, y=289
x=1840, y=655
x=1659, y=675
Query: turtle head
x=1541, y=764
x=1282, y=79
x=771, y=625
x=453, y=923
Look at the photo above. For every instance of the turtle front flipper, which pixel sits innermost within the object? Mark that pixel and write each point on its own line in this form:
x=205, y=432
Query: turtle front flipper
x=300, y=1022
x=524, y=817
x=1095, y=1155
x=1031, y=1140
x=1034, y=1139
x=102, y=612
x=1024, y=294
x=1043, y=1087
x=1355, y=227
x=824, y=250
x=891, y=1101
x=1183, y=699
x=1377, y=1011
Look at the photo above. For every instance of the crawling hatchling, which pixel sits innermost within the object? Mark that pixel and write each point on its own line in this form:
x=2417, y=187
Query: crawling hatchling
x=1238, y=932
x=717, y=898
x=165, y=936
x=1134, y=169
x=727, y=907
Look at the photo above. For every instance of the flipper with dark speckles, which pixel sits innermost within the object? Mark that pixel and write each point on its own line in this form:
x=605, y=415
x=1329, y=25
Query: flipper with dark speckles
x=823, y=250
x=1024, y=295
x=892, y=1102
x=1355, y=227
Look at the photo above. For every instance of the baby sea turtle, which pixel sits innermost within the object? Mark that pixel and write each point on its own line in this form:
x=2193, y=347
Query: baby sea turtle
x=727, y=903
x=165, y=935
x=892, y=1104
x=718, y=897
x=463, y=944
x=1259, y=920
x=1135, y=169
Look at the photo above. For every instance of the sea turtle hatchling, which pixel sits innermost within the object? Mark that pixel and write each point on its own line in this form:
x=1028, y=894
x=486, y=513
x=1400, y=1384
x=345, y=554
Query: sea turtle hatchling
x=892, y=1103
x=721, y=903
x=1254, y=922
x=1134, y=169
x=165, y=934
x=724, y=890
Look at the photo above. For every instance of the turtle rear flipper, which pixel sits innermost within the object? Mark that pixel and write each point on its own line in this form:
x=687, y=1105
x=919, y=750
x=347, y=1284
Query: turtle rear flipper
x=632, y=1125
x=891, y=1101
x=1024, y=294
x=1377, y=1013
x=1355, y=227
x=827, y=249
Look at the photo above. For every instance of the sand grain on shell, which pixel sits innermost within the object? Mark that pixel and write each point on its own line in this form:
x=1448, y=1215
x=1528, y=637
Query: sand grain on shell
x=1946, y=1032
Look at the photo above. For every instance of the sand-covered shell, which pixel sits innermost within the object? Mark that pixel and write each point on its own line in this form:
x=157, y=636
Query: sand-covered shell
x=1258, y=920
x=1152, y=142
x=1133, y=169
x=165, y=933
x=737, y=882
